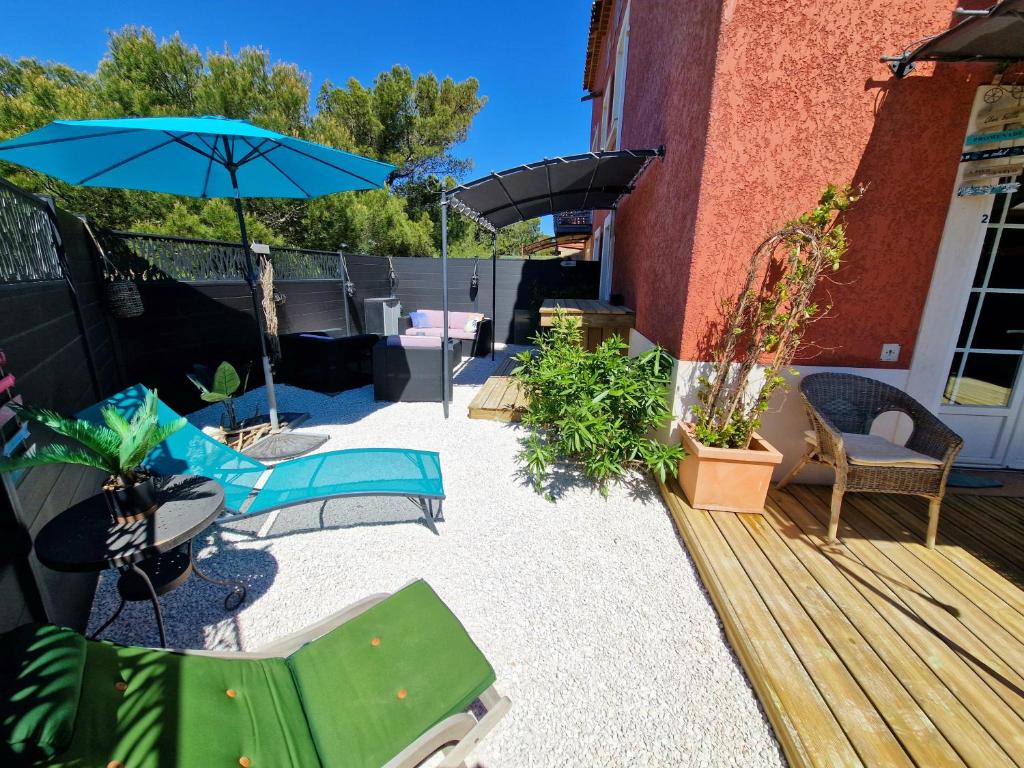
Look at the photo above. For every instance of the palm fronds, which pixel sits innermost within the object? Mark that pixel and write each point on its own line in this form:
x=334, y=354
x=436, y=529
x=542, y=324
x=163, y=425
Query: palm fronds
x=118, y=447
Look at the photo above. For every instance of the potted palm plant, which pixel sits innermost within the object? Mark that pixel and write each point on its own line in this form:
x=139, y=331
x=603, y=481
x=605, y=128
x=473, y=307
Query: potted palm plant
x=118, y=447
x=728, y=465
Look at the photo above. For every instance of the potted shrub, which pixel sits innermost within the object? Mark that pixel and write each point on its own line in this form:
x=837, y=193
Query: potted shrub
x=728, y=465
x=118, y=448
x=594, y=410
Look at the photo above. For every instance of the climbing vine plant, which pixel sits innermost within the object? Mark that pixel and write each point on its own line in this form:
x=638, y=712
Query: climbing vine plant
x=765, y=323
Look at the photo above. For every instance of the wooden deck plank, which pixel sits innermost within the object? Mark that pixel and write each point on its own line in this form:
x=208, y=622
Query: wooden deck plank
x=962, y=543
x=955, y=553
x=969, y=584
x=931, y=645
x=501, y=398
x=864, y=726
x=806, y=729
x=947, y=719
x=992, y=636
x=874, y=649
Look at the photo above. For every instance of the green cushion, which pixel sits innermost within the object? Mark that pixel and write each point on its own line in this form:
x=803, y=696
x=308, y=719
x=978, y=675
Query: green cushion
x=40, y=681
x=154, y=709
x=350, y=684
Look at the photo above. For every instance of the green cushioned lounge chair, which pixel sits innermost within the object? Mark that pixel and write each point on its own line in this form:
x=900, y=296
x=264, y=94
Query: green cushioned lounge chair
x=249, y=489
x=386, y=682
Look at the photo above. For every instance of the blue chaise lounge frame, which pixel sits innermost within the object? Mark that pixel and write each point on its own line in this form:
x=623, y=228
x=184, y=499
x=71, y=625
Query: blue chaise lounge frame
x=251, y=487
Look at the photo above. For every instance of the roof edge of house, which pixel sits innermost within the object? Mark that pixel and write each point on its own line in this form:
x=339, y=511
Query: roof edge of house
x=600, y=12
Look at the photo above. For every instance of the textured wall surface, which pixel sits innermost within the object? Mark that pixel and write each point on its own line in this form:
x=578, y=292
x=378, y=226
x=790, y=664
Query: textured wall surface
x=667, y=99
x=759, y=108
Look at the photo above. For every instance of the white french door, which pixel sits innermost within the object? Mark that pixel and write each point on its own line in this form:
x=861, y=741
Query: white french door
x=968, y=361
x=984, y=387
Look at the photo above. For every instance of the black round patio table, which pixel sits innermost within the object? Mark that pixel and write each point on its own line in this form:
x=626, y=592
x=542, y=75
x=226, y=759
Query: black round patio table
x=154, y=554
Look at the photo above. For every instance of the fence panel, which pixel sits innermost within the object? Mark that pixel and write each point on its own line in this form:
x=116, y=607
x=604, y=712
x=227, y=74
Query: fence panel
x=28, y=252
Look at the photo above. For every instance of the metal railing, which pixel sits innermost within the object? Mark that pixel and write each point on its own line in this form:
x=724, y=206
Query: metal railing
x=28, y=245
x=163, y=257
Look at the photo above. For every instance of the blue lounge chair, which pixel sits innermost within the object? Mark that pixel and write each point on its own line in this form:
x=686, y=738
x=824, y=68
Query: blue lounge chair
x=353, y=472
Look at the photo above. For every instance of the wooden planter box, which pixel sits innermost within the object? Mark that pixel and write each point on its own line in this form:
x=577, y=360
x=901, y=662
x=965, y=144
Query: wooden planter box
x=727, y=479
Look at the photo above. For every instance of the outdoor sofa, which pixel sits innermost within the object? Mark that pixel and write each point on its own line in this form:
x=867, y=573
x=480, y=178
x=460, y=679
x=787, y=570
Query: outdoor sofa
x=251, y=487
x=408, y=368
x=328, y=360
x=474, y=329
x=386, y=682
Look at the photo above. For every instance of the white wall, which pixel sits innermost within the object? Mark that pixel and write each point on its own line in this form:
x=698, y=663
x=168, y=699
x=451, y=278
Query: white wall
x=784, y=423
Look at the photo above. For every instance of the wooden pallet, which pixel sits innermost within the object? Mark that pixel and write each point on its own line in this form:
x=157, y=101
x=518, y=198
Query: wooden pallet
x=874, y=651
x=501, y=398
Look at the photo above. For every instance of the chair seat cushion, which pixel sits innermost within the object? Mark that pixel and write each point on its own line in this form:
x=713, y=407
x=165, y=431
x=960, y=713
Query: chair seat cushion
x=41, y=670
x=874, y=451
x=453, y=333
x=379, y=681
x=147, y=708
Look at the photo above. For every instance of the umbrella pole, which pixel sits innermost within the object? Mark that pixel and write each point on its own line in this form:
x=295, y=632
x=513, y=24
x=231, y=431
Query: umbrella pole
x=257, y=307
x=446, y=384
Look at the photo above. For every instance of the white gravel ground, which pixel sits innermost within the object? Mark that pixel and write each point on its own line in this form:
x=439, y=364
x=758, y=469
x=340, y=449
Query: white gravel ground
x=589, y=608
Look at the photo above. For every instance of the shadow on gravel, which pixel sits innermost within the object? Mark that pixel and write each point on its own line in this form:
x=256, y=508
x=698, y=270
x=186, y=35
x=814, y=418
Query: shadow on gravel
x=194, y=610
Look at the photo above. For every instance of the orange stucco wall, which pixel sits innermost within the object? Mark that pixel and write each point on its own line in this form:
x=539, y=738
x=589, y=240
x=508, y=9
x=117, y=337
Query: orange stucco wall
x=760, y=104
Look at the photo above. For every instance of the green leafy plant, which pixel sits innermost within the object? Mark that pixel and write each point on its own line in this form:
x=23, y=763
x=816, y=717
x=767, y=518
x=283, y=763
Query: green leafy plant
x=219, y=387
x=594, y=409
x=118, y=448
x=765, y=324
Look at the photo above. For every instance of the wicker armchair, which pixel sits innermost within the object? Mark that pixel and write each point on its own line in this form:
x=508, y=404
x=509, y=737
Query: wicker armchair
x=841, y=408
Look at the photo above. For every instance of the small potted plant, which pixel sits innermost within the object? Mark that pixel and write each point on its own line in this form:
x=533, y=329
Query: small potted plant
x=219, y=388
x=118, y=448
x=728, y=465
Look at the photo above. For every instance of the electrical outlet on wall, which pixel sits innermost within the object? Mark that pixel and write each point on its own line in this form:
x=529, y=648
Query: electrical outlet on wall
x=890, y=353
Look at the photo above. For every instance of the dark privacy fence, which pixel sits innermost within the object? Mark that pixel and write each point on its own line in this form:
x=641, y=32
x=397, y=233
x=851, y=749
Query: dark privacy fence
x=62, y=351
x=198, y=310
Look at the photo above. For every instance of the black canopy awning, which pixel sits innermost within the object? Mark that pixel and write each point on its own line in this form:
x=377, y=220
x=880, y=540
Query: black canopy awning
x=993, y=35
x=594, y=181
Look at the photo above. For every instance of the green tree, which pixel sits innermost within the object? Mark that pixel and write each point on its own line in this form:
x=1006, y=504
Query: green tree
x=412, y=122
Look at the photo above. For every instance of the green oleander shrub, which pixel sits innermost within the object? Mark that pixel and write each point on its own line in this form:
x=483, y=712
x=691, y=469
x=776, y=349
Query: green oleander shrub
x=595, y=410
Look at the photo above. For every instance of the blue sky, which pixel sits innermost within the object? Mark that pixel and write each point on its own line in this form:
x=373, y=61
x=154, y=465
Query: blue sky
x=528, y=55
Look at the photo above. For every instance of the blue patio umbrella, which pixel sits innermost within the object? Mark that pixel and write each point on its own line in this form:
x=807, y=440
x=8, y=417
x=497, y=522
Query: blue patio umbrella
x=199, y=157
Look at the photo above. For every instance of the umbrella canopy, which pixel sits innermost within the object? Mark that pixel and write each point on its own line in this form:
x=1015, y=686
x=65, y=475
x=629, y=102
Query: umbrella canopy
x=202, y=157
x=192, y=156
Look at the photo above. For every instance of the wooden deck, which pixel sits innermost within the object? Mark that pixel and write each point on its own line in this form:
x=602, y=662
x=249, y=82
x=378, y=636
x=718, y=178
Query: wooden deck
x=875, y=651
x=501, y=398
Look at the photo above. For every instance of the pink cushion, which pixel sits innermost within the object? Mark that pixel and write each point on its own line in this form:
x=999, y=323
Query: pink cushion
x=434, y=317
x=456, y=320
x=454, y=333
x=414, y=341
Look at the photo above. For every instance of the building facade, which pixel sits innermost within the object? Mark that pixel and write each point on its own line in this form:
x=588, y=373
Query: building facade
x=760, y=104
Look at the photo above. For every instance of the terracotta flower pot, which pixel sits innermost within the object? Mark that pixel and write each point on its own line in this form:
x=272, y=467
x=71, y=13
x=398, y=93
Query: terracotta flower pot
x=727, y=479
x=134, y=502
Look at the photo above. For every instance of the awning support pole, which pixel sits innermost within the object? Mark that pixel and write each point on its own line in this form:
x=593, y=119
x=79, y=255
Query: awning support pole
x=445, y=371
x=494, y=291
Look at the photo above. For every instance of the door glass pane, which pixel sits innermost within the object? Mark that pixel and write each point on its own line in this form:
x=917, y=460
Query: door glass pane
x=954, y=372
x=1008, y=270
x=986, y=250
x=987, y=380
x=1000, y=314
x=965, y=327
